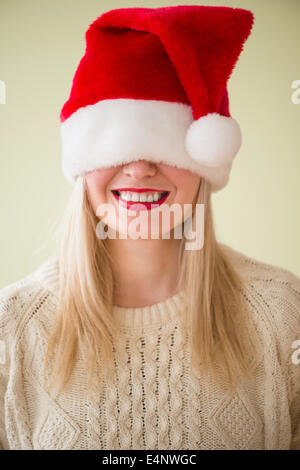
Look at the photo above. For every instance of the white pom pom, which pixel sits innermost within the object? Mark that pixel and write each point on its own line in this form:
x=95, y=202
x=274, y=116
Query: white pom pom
x=213, y=140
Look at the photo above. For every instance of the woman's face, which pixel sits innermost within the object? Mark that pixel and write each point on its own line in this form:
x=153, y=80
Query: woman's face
x=143, y=183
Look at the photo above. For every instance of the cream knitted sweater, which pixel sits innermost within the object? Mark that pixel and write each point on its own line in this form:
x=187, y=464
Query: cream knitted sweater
x=155, y=401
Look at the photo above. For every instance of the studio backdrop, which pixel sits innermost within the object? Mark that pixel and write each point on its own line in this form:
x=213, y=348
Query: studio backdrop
x=41, y=44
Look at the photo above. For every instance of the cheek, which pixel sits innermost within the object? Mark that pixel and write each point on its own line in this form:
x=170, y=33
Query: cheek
x=96, y=183
x=185, y=182
x=187, y=185
x=185, y=196
x=192, y=187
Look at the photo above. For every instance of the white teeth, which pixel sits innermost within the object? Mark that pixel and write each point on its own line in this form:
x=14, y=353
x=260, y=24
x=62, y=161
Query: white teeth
x=139, y=197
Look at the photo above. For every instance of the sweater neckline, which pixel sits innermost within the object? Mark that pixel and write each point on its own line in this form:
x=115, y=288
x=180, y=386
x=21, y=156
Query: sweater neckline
x=157, y=314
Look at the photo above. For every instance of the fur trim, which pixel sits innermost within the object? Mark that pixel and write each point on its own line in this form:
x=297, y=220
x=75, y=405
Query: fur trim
x=118, y=131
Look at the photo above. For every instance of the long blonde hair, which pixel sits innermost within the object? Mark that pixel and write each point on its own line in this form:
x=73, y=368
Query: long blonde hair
x=216, y=313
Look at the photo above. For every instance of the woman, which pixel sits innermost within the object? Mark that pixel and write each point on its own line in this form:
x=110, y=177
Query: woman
x=151, y=341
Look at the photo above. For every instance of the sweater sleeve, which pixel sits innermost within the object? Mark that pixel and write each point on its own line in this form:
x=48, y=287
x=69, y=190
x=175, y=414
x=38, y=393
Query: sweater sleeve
x=295, y=413
x=294, y=376
x=282, y=290
x=3, y=368
x=3, y=383
x=292, y=358
x=14, y=301
x=11, y=305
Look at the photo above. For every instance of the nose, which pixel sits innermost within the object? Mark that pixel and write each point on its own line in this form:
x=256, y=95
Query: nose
x=140, y=169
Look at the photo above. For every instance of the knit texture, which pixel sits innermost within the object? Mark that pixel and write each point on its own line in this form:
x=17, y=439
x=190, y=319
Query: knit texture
x=155, y=400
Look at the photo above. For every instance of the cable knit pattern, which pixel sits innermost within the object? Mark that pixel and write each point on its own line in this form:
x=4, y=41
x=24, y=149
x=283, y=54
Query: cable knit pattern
x=155, y=400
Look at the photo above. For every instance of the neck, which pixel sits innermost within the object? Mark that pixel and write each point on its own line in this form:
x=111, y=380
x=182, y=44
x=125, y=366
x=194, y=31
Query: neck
x=145, y=271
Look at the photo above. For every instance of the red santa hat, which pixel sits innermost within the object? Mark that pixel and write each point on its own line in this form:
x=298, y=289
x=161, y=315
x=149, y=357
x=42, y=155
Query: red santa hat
x=152, y=85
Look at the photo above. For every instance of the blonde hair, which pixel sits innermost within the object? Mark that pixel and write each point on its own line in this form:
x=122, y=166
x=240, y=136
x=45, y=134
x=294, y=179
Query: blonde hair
x=216, y=313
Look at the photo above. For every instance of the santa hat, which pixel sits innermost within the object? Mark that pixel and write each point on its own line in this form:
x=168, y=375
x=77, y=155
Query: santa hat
x=152, y=85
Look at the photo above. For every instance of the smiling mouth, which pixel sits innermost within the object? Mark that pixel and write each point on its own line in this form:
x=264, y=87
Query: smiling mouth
x=145, y=197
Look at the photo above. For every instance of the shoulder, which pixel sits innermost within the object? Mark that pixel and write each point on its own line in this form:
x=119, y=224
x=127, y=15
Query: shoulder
x=275, y=289
x=274, y=281
x=19, y=299
x=273, y=295
x=252, y=269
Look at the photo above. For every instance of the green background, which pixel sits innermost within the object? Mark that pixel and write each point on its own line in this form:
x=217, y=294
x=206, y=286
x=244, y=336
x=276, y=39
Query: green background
x=41, y=44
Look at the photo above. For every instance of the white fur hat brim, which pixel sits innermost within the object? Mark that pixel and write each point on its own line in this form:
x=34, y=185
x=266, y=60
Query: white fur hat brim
x=113, y=132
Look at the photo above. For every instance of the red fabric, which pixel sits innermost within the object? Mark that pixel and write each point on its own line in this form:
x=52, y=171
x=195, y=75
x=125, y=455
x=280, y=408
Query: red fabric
x=182, y=54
